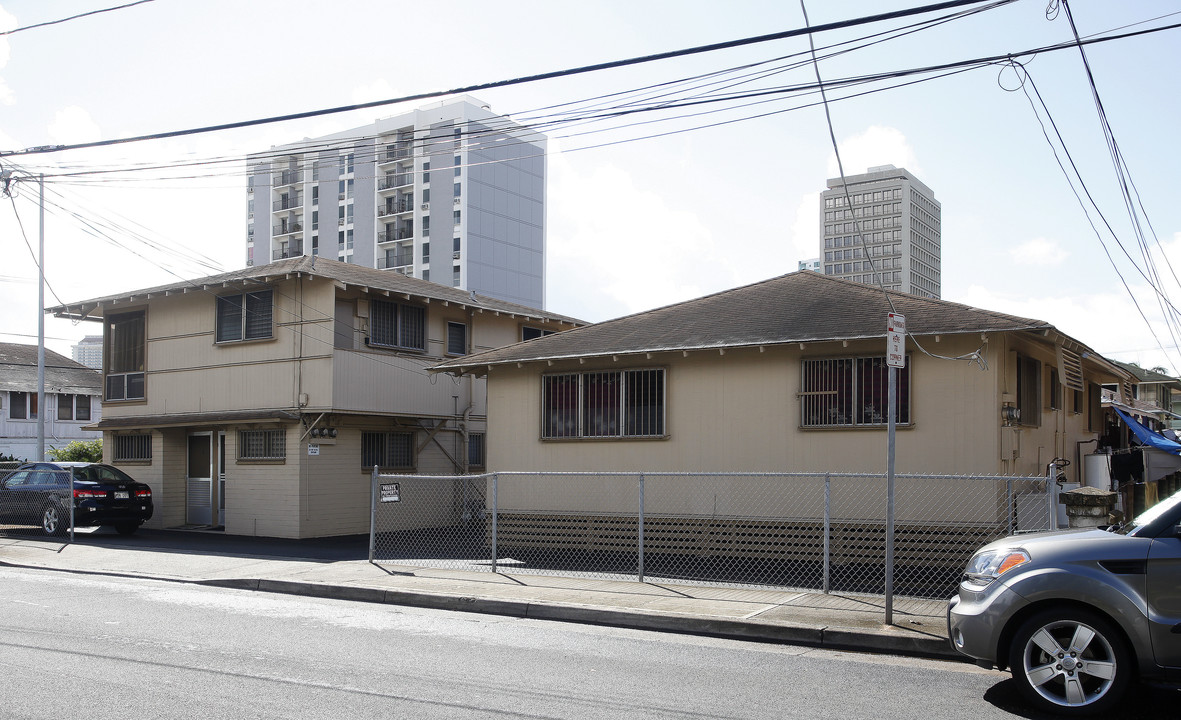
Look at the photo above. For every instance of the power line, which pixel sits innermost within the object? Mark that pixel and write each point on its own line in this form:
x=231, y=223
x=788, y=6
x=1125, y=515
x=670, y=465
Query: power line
x=516, y=81
x=74, y=17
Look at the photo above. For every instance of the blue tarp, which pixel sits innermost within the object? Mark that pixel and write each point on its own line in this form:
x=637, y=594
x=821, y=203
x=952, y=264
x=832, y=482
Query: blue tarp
x=1149, y=437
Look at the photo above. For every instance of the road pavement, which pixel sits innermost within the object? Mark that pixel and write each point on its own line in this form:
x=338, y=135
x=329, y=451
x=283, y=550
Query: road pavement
x=339, y=568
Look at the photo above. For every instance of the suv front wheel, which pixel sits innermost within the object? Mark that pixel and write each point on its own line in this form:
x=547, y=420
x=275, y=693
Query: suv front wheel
x=1070, y=661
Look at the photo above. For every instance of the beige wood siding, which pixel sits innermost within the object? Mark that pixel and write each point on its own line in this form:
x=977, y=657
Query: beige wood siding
x=740, y=412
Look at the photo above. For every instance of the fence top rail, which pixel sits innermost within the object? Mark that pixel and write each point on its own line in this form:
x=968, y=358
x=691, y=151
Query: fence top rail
x=667, y=474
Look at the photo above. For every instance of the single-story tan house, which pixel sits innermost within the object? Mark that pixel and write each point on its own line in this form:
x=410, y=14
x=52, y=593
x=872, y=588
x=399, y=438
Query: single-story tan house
x=787, y=375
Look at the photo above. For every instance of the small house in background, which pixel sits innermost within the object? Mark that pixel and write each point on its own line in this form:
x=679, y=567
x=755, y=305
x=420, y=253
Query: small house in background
x=260, y=400
x=73, y=394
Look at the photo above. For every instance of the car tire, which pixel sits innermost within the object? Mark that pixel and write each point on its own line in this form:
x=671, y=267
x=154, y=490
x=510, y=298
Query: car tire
x=126, y=528
x=1070, y=661
x=53, y=520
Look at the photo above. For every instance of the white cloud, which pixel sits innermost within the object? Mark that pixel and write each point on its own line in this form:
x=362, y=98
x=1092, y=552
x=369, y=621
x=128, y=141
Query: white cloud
x=1039, y=252
x=73, y=125
x=7, y=22
x=876, y=146
x=379, y=89
x=621, y=248
x=1108, y=322
x=806, y=228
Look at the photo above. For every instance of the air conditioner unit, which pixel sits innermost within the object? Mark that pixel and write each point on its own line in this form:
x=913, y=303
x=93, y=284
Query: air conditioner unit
x=426, y=206
x=455, y=255
x=456, y=201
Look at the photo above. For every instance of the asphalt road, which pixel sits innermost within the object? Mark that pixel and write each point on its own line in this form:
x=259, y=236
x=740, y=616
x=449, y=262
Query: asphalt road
x=100, y=647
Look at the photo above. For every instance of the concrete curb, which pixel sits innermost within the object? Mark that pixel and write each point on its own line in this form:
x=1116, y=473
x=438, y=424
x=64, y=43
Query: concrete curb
x=825, y=636
x=810, y=635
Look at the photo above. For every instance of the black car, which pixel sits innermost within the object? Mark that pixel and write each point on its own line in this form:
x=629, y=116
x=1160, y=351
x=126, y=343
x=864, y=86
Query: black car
x=40, y=494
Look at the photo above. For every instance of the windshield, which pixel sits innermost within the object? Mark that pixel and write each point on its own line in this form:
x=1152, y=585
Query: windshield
x=101, y=473
x=1151, y=514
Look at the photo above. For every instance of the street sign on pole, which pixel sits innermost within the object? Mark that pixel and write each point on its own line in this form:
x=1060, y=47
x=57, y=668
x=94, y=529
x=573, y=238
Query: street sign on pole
x=895, y=358
x=896, y=340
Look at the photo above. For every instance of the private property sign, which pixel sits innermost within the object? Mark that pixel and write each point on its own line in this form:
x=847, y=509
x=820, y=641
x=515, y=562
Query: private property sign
x=896, y=340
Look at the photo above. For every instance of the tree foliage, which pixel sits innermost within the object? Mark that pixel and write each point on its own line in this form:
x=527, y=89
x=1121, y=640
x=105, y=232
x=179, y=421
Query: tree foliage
x=79, y=451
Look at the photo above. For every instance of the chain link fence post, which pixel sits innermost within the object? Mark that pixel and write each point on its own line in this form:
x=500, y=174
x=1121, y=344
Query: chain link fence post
x=495, y=512
x=827, y=559
x=1010, y=510
x=640, y=533
x=372, y=512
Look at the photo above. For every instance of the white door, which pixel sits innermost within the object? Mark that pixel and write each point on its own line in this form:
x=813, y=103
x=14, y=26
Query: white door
x=199, y=493
x=221, y=479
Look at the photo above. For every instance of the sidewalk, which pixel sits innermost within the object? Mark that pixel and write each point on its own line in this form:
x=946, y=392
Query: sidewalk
x=338, y=570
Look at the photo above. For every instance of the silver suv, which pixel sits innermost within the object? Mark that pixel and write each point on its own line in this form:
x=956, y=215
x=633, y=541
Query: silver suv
x=1079, y=615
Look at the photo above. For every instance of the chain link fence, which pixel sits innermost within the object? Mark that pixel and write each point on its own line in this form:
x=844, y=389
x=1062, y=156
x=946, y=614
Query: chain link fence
x=817, y=531
x=35, y=503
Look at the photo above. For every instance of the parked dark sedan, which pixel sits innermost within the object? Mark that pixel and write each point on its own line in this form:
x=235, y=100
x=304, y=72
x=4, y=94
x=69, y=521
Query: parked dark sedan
x=40, y=494
x=1077, y=616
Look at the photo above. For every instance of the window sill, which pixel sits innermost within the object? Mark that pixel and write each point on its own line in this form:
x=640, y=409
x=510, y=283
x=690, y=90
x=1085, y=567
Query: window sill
x=607, y=438
x=367, y=472
x=882, y=427
x=248, y=341
x=144, y=463
x=261, y=461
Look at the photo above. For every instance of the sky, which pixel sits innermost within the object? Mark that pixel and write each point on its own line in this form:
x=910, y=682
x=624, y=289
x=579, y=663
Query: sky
x=638, y=215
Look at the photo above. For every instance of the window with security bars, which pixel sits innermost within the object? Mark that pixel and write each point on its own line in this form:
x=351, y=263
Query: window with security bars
x=133, y=447
x=475, y=450
x=456, y=338
x=604, y=404
x=396, y=325
x=851, y=392
x=387, y=450
x=244, y=317
x=262, y=444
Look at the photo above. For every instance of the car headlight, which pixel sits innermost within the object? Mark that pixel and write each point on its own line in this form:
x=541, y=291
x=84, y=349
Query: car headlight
x=984, y=567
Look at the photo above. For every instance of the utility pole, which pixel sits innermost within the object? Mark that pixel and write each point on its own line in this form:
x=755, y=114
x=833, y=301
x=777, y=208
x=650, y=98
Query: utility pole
x=41, y=320
x=7, y=180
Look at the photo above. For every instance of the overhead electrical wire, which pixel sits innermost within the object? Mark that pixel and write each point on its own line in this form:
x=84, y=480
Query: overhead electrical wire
x=876, y=272
x=74, y=17
x=936, y=71
x=506, y=83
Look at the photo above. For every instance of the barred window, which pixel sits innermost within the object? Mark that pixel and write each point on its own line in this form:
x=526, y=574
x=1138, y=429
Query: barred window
x=851, y=392
x=475, y=450
x=135, y=447
x=456, y=338
x=262, y=444
x=388, y=450
x=607, y=404
x=396, y=325
x=244, y=317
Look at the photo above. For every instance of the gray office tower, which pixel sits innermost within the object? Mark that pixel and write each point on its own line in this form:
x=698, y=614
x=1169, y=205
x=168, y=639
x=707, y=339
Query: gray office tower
x=450, y=193
x=898, y=219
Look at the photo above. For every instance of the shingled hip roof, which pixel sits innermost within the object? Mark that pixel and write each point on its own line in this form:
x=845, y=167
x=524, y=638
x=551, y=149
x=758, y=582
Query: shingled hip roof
x=800, y=307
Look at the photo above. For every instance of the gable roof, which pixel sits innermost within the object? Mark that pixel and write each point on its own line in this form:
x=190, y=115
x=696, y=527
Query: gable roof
x=310, y=265
x=801, y=307
x=18, y=371
x=1146, y=376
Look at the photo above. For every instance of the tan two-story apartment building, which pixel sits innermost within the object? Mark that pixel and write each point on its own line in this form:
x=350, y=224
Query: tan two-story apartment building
x=259, y=400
